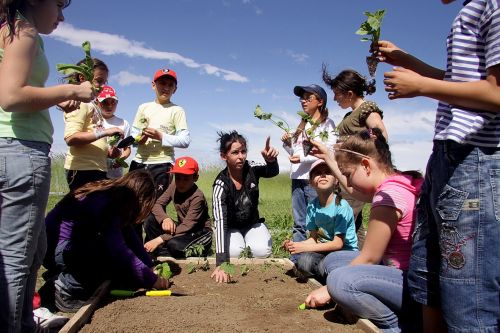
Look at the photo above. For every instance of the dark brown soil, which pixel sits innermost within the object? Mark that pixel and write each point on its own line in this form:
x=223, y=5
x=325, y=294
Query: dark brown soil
x=264, y=300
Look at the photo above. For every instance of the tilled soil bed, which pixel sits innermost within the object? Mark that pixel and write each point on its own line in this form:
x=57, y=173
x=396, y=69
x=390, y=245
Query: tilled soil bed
x=263, y=300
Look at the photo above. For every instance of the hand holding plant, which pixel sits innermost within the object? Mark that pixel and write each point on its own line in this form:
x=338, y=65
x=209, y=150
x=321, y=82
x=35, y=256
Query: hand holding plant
x=371, y=28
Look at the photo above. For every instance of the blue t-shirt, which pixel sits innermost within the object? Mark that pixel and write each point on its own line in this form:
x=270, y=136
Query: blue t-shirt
x=332, y=220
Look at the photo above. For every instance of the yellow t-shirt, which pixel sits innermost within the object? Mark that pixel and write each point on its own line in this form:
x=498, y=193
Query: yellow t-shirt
x=92, y=156
x=168, y=118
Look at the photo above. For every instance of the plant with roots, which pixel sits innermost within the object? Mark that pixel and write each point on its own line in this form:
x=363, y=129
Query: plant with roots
x=196, y=250
x=278, y=121
x=371, y=29
x=323, y=135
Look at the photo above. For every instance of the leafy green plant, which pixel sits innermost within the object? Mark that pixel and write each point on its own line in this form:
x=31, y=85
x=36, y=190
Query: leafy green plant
x=371, y=29
x=143, y=124
x=280, y=122
x=163, y=270
x=323, y=135
x=246, y=253
x=197, y=250
x=86, y=68
x=113, y=140
x=120, y=161
x=228, y=268
x=244, y=269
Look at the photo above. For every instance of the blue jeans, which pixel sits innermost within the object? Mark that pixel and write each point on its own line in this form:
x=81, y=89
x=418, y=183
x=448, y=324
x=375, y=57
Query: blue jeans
x=455, y=259
x=302, y=195
x=24, y=190
x=312, y=265
x=374, y=292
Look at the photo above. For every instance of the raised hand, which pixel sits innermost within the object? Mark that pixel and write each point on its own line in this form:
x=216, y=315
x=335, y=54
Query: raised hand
x=269, y=153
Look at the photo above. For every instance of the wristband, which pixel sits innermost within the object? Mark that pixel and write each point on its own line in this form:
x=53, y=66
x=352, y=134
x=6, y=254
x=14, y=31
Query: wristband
x=99, y=134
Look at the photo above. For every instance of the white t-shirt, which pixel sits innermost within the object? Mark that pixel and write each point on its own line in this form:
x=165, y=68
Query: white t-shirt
x=125, y=127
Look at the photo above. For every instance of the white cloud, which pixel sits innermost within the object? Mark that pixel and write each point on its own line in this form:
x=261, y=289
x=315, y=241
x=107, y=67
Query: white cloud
x=299, y=58
x=125, y=78
x=110, y=44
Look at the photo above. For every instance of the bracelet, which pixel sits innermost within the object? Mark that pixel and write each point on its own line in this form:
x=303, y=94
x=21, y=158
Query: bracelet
x=99, y=134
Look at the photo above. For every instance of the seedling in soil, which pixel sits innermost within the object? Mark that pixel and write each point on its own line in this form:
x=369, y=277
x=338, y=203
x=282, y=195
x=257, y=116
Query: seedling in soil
x=228, y=268
x=246, y=253
x=196, y=250
x=302, y=306
x=371, y=28
x=163, y=270
x=244, y=269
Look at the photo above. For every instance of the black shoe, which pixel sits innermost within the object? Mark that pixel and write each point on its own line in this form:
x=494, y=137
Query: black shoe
x=67, y=304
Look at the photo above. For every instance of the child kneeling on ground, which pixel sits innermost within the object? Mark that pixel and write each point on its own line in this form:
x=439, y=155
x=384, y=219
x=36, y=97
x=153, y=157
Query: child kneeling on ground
x=91, y=239
x=164, y=236
x=329, y=220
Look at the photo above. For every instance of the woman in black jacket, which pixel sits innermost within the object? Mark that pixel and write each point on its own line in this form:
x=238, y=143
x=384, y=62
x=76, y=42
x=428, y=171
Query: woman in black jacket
x=235, y=202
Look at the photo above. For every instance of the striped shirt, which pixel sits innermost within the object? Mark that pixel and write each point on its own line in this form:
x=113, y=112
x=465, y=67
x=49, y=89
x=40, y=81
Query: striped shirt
x=473, y=46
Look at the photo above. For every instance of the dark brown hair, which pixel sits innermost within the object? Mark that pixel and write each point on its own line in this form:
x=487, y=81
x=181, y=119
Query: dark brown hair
x=133, y=195
x=227, y=139
x=9, y=9
x=349, y=80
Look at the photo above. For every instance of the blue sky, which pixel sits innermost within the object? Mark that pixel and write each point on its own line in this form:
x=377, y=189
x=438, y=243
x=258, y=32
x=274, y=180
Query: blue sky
x=231, y=55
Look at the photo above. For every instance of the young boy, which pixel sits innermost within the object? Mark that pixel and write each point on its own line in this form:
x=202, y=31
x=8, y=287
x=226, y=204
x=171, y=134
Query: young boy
x=164, y=236
x=160, y=126
x=329, y=220
x=455, y=257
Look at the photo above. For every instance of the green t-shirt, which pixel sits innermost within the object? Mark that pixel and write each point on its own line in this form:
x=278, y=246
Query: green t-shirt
x=30, y=126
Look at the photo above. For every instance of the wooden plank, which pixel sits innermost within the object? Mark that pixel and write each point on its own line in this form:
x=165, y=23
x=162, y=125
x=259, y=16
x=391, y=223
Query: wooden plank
x=82, y=316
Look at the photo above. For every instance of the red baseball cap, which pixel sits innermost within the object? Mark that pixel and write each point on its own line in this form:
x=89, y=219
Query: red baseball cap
x=185, y=165
x=164, y=71
x=106, y=92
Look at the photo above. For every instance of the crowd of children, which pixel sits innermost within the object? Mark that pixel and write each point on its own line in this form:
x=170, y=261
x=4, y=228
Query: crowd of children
x=428, y=263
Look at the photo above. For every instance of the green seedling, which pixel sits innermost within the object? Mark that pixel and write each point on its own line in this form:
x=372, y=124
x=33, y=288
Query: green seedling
x=113, y=140
x=163, y=270
x=228, y=268
x=302, y=306
x=244, y=269
x=280, y=122
x=371, y=29
x=120, y=161
x=246, y=253
x=86, y=68
x=143, y=124
x=196, y=250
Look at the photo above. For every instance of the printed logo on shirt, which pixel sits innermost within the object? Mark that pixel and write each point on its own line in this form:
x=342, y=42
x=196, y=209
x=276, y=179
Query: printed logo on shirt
x=252, y=185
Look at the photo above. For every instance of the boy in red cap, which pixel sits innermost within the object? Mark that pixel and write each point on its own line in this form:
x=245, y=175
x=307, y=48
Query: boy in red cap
x=164, y=236
x=159, y=127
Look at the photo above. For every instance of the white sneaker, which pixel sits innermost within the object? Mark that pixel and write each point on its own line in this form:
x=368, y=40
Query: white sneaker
x=46, y=319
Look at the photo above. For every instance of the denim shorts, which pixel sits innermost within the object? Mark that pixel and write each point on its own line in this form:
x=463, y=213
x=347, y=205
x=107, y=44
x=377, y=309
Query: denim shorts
x=455, y=262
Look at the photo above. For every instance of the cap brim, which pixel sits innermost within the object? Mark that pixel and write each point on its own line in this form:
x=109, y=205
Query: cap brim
x=299, y=91
x=183, y=172
x=170, y=76
x=102, y=99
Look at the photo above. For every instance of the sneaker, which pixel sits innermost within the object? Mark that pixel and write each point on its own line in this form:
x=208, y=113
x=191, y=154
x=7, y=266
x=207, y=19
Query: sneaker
x=47, y=320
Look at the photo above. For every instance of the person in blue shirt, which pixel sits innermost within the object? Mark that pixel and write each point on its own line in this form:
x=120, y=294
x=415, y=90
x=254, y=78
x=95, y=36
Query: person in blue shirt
x=329, y=220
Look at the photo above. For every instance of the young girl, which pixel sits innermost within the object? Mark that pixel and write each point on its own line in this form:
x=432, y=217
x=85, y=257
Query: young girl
x=330, y=223
x=235, y=202
x=349, y=88
x=25, y=138
x=91, y=239
x=86, y=134
x=313, y=101
x=107, y=101
x=373, y=284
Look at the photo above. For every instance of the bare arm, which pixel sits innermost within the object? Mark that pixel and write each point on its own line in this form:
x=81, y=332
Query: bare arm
x=374, y=120
x=83, y=138
x=383, y=220
x=388, y=52
x=16, y=94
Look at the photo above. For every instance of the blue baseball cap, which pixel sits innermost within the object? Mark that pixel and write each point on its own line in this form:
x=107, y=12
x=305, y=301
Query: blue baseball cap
x=313, y=89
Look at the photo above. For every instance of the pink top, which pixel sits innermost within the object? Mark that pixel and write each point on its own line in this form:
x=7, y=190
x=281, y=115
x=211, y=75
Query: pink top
x=401, y=192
